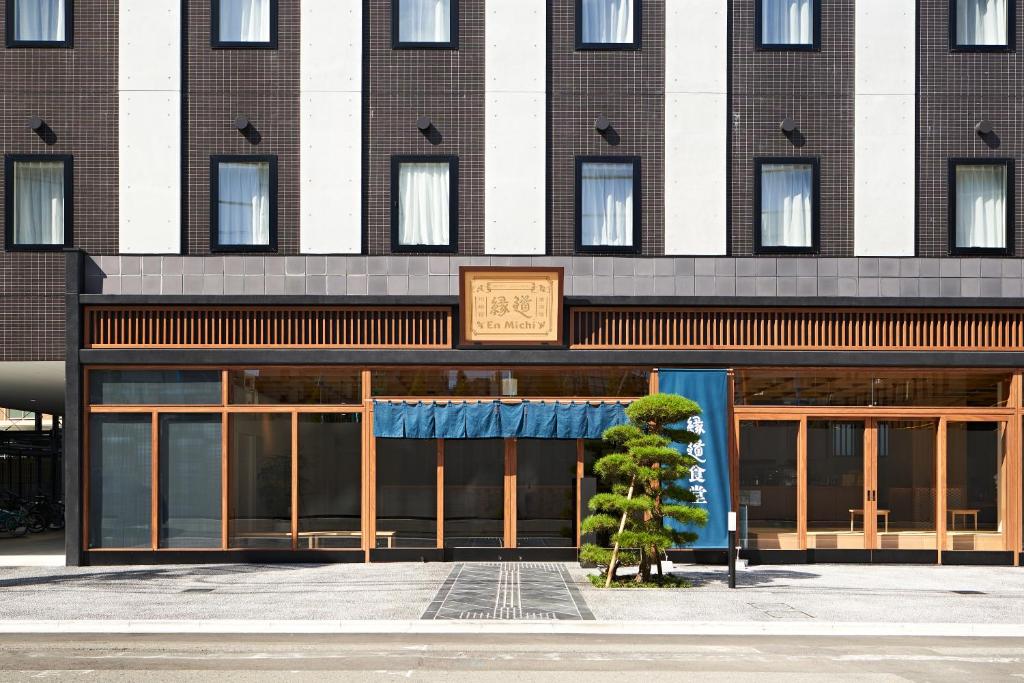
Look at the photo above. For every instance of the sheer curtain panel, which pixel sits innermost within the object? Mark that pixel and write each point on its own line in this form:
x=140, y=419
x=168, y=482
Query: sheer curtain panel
x=981, y=207
x=981, y=22
x=424, y=21
x=787, y=22
x=39, y=20
x=423, y=204
x=786, y=205
x=38, y=202
x=243, y=203
x=607, y=205
x=607, y=21
x=245, y=21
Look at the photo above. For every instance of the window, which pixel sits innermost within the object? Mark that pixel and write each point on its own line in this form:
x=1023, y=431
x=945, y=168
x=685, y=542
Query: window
x=607, y=204
x=39, y=23
x=982, y=25
x=38, y=201
x=786, y=205
x=243, y=203
x=425, y=24
x=981, y=206
x=244, y=23
x=424, y=203
x=788, y=24
x=607, y=24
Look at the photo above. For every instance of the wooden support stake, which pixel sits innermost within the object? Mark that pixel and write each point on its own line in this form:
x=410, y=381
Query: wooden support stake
x=622, y=527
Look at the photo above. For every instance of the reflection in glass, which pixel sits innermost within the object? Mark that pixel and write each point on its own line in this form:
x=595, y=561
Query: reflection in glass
x=260, y=471
x=494, y=382
x=975, y=494
x=407, y=493
x=120, y=460
x=330, y=480
x=190, y=484
x=906, y=485
x=154, y=387
x=294, y=386
x=474, y=493
x=835, y=484
x=768, y=485
x=546, y=492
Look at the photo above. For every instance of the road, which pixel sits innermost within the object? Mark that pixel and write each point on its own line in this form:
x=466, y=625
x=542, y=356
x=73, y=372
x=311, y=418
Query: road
x=521, y=658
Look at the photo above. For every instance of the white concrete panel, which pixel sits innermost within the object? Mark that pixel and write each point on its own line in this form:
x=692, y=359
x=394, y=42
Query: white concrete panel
x=885, y=128
x=696, y=127
x=331, y=174
x=515, y=128
x=149, y=47
x=149, y=173
x=695, y=174
x=331, y=127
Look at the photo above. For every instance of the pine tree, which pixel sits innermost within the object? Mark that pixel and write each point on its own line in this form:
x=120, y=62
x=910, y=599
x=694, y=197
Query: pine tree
x=644, y=460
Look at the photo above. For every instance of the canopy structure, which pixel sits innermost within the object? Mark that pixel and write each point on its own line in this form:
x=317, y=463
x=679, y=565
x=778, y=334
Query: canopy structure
x=495, y=419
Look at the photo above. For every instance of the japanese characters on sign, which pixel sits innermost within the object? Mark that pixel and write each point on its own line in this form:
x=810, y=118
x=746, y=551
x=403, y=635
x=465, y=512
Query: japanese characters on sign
x=695, y=425
x=511, y=305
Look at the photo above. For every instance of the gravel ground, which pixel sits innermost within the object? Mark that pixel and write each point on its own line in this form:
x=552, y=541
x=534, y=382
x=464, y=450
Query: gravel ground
x=842, y=593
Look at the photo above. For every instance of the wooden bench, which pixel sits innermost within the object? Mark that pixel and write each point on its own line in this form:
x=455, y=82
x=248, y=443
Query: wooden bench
x=965, y=513
x=879, y=512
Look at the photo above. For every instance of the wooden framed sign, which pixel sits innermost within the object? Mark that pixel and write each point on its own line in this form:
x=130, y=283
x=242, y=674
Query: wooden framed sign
x=514, y=305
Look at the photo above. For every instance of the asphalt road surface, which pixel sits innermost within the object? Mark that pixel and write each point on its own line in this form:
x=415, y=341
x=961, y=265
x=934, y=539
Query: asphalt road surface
x=521, y=659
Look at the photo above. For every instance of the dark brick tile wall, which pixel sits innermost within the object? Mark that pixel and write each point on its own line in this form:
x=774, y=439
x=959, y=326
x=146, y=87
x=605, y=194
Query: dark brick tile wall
x=956, y=90
x=75, y=92
x=262, y=85
x=626, y=86
x=447, y=86
x=813, y=88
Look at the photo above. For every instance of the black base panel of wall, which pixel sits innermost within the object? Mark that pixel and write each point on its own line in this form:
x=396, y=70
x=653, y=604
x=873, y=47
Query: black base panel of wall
x=406, y=555
x=698, y=556
x=978, y=557
x=511, y=554
x=118, y=557
x=904, y=556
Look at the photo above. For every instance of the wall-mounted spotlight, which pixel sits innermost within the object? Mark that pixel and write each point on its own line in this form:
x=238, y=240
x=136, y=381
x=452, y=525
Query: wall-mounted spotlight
x=242, y=123
x=787, y=125
x=602, y=124
x=424, y=124
x=35, y=124
x=984, y=127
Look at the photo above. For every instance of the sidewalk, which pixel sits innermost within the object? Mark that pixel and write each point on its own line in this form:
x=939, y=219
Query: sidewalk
x=812, y=599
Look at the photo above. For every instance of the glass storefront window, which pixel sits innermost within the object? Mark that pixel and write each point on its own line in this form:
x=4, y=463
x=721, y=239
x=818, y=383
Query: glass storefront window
x=835, y=484
x=768, y=452
x=330, y=481
x=260, y=484
x=120, y=462
x=474, y=493
x=298, y=386
x=545, y=493
x=581, y=382
x=154, y=387
x=975, y=486
x=406, y=493
x=190, y=481
x=906, y=485
x=869, y=387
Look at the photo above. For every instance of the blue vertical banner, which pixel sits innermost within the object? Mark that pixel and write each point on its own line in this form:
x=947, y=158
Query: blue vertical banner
x=709, y=478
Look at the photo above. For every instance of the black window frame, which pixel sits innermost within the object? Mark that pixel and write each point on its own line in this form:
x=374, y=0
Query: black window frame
x=813, y=46
x=218, y=44
x=69, y=201
x=453, y=204
x=636, y=44
x=215, y=244
x=452, y=44
x=815, y=164
x=637, y=204
x=953, y=163
x=69, y=29
x=1011, y=31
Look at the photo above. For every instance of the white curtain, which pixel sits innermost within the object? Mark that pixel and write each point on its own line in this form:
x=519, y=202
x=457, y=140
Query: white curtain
x=423, y=204
x=245, y=21
x=981, y=22
x=607, y=203
x=786, y=201
x=607, y=21
x=424, y=21
x=981, y=206
x=243, y=203
x=38, y=202
x=39, y=20
x=787, y=22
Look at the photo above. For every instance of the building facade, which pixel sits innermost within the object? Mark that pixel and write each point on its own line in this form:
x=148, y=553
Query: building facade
x=235, y=231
